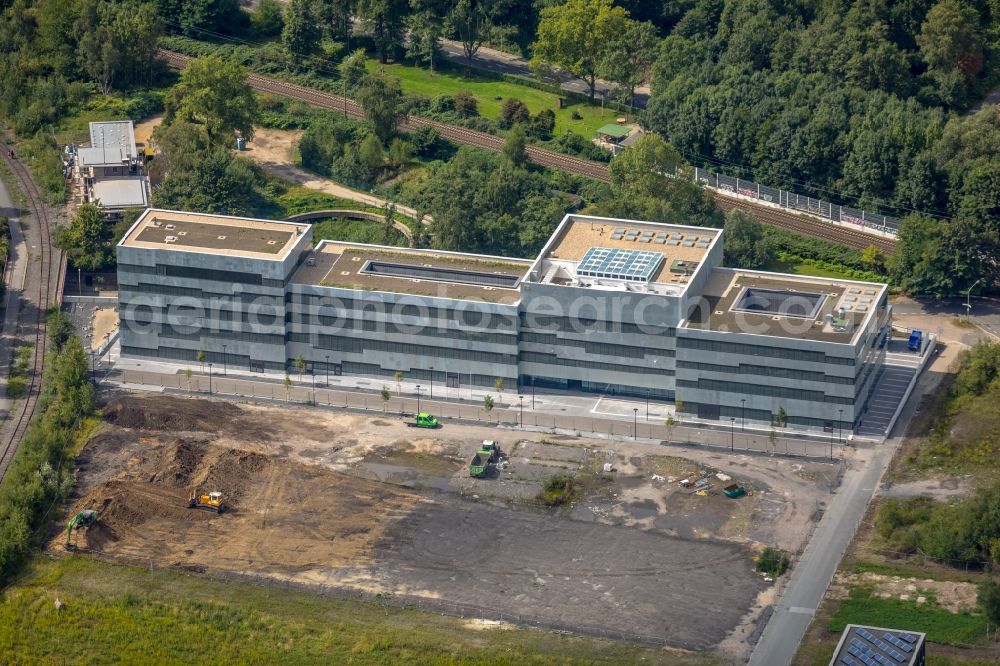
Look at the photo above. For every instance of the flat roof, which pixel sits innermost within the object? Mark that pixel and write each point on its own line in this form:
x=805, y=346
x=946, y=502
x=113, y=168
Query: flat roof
x=683, y=249
x=435, y=273
x=213, y=234
x=617, y=131
x=101, y=156
x=122, y=192
x=114, y=134
x=804, y=307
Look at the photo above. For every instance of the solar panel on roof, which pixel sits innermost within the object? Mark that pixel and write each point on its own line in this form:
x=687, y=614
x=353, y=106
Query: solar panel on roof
x=619, y=264
x=909, y=638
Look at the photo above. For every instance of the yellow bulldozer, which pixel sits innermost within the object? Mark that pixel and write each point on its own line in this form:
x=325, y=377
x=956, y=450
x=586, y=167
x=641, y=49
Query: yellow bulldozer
x=210, y=502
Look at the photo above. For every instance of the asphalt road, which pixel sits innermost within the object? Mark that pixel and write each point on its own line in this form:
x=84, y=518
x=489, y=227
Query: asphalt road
x=985, y=312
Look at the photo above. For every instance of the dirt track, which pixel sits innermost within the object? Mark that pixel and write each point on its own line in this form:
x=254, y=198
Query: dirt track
x=291, y=516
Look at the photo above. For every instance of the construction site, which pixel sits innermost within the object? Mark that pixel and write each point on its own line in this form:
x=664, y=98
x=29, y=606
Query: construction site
x=647, y=546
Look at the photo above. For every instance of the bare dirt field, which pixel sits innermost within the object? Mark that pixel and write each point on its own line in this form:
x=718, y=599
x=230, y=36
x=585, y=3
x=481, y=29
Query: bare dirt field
x=104, y=323
x=346, y=500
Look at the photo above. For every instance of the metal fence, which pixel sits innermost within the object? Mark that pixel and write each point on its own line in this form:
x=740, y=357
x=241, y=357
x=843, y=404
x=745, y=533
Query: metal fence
x=797, y=202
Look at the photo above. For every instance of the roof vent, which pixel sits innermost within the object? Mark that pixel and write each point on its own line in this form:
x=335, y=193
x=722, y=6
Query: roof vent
x=355, y=258
x=170, y=227
x=271, y=242
x=182, y=233
x=222, y=238
x=718, y=312
x=170, y=239
x=345, y=272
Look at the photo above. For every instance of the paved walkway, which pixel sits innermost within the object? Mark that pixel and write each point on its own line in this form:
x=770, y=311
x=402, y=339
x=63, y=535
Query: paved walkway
x=602, y=416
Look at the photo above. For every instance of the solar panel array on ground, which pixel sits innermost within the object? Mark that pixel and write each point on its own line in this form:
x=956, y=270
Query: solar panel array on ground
x=619, y=264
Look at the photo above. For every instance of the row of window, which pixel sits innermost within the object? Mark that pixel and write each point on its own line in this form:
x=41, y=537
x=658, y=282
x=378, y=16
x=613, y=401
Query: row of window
x=740, y=388
x=471, y=314
x=449, y=331
x=192, y=273
x=550, y=359
x=130, y=293
x=555, y=323
x=766, y=371
x=721, y=347
x=168, y=331
x=602, y=348
x=361, y=345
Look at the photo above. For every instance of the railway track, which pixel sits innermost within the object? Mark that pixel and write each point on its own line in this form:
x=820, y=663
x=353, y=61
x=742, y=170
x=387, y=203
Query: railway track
x=549, y=158
x=43, y=288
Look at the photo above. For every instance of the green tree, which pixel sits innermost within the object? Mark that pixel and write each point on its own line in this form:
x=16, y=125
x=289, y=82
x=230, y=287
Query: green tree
x=472, y=21
x=465, y=104
x=575, y=36
x=498, y=385
x=194, y=17
x=384, y=394
x=214, y=92
x=200, y=356
x=300, y=365
x=642, y=168
x=117, y=42
x=515, y=146
x=745, y=244
x=629, y=56
x=372, y=156
x=86, y=241
x=487, y=403
x=301, y=32
x=187, y=376
x=873, y=259
x=988, y=598
x=781, y=418
x=425, y=28
x=668, y=425
x=211, y=182
x=949, y=40
x=398, y=376
x=380, y=97
x=288, y=388
x=352, y=69
x=384, y=19
x=267, y=18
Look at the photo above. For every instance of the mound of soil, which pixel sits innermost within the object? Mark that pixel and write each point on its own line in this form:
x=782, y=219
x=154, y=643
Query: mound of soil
x=164, y=412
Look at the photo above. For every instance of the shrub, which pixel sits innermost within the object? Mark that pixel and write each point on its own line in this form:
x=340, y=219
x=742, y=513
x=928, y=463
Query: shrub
x=558, y=490
x=465, y=104
x=989, y=600
x=772, y=562
x=512, y=111
x=542, y=124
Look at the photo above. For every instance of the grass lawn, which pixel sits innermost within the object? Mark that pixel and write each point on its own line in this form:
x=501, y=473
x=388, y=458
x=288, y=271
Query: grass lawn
x=296, y=199
x=121, y=614
x=804, y=268
x=448, y=80
x=940, y=625
x=357, y=231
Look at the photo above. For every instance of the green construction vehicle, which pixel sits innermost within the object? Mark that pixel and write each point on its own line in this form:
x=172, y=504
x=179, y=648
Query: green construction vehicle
x=85, y=518
x=488, y=453
x=424, y=420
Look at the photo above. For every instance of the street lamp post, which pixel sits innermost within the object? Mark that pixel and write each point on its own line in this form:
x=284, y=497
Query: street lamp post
x=647, y=403
x=532, y=391
x=328, y=371
x=520, y=400
x=93, y=364
x=432, y=382
x=314, y=388
x=732, y=434
x=224, y=373
x=840, y=427
x=968, y=299
x=210, y=379
x=418, y=398
x=635, y=423
x=743, y=414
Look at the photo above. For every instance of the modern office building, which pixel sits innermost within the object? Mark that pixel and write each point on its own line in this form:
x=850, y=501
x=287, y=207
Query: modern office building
x=610, y=307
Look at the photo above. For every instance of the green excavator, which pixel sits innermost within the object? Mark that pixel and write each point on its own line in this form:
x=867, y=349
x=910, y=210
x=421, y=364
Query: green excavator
x=85, y=518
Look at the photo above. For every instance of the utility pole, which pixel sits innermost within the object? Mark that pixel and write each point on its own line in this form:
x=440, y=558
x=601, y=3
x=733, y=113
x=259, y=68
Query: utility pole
x=732, y=434
x=210, y=379
x=418, y=398
x=224, y=373
x=743, y=414
x=635, y=423
x=520, y=400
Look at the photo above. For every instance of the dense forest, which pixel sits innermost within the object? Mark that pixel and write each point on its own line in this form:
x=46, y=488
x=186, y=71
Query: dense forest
x=861, y=102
